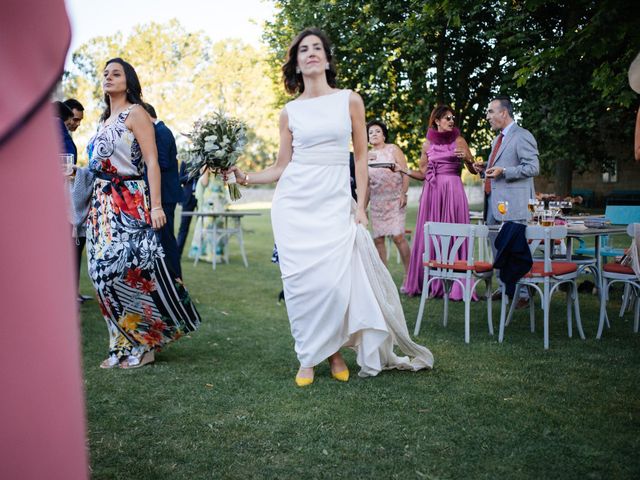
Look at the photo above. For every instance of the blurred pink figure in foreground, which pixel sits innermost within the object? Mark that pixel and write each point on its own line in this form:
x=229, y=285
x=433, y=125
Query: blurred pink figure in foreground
x=42, y=433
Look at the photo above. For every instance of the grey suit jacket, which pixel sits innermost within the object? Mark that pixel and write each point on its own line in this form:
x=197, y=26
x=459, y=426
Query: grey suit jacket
x=518, y=155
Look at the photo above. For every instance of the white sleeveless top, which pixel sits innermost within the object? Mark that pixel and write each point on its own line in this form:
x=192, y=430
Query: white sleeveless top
x=320, y=136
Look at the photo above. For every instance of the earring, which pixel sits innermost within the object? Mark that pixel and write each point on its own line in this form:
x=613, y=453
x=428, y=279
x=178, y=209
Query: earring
x=297, y=70
x=128, y=91
x=327, y=66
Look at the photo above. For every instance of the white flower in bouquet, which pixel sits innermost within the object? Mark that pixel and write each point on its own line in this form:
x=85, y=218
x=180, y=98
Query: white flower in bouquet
x=217, y=141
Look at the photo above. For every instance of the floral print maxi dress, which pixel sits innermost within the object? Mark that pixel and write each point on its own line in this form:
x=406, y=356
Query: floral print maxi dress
x=143, y=305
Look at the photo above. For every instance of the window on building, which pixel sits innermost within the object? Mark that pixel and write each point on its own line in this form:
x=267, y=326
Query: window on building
x=610, y=175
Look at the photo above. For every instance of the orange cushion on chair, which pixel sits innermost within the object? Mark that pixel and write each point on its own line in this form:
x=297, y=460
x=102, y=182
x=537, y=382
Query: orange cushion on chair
x=557, y=268
x=617, y=268
x=461, y=265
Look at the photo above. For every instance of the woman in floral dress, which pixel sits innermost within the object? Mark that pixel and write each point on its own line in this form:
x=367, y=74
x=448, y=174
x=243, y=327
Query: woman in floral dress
x=388, y=193
x=144, y=306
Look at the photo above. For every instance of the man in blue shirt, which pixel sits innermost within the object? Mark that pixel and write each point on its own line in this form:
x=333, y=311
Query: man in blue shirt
x=73, y=122
x=63, y=114
x=65, y=118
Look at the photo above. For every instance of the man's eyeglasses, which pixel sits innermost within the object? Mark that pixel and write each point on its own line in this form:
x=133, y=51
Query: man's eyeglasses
x=448, y=118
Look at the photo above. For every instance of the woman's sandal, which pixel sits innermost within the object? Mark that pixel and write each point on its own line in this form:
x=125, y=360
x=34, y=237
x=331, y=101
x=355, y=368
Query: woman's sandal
x=137, y=362
x=111, y=362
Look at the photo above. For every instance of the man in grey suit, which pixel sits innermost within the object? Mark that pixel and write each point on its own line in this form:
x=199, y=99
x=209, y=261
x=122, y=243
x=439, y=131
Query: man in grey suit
x=513, y=163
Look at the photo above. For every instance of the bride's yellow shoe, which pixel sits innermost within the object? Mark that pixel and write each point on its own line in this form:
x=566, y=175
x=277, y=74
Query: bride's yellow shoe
x=303, y=381
x=342, y=376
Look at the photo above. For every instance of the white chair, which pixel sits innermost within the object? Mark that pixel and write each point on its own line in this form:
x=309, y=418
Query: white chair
x=545, y=277
x=617, y=273
x=449, y=266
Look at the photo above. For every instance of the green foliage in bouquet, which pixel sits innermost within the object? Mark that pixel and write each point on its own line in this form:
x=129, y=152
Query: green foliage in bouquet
x=217, y=142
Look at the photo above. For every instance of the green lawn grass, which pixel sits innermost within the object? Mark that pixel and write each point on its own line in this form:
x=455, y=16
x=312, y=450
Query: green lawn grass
x=222, y=403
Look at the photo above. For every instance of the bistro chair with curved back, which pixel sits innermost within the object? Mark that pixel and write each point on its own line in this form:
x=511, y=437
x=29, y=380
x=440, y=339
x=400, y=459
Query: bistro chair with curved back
x=619, y=273
x=450, y=266
x=545, y=277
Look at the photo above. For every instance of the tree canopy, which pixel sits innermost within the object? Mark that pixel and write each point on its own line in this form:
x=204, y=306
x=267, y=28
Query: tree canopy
x=563, y=63
x=184, y=76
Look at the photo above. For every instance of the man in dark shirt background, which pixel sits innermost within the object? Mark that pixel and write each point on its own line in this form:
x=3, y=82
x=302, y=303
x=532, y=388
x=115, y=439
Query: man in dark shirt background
x=170, y=188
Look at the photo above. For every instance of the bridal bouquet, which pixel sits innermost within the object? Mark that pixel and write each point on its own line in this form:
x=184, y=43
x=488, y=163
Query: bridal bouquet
x=217, y=142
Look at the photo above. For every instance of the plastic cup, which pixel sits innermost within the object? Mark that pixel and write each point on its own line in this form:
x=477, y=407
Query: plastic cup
x=66, y=163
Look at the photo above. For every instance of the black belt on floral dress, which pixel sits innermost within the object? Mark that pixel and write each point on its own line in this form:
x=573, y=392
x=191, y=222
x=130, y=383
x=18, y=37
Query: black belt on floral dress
x=115, y=181
x=119, y=191
x=119, y=178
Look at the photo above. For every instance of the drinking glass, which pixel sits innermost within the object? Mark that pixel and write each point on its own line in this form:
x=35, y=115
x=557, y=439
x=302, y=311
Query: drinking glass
x=555, y=208
x=539, y=211
x=548, y=218
x=503, y=208
x=532, y=208
x=66, y=163
x=566, y=207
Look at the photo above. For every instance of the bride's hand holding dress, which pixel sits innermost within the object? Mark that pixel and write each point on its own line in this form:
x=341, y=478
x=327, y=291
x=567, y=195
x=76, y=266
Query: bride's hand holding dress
x=361, y=217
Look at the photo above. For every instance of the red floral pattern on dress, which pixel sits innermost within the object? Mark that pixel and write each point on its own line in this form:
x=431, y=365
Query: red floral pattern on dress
x=147, y=286
x=107, y=167
x=134, y=277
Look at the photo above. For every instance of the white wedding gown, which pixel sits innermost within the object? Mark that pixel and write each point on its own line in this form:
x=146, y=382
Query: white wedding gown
x=337, y=291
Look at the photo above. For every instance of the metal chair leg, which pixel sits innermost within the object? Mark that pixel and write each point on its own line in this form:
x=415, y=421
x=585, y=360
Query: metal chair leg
x=421, y=310
x=489, y=306
x=576, y=306
x=532, y=310
x=502, y=315
x=625, y=299
x=547, y=303
x=603, y=307
x=446, y=302
x=569, y=313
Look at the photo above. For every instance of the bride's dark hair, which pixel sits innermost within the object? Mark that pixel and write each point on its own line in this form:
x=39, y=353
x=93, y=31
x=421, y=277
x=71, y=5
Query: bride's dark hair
x=293, y=81
x=134, y=90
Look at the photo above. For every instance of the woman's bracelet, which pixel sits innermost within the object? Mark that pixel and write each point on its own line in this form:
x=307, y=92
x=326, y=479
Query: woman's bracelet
x=156, y=208
x=246, y=180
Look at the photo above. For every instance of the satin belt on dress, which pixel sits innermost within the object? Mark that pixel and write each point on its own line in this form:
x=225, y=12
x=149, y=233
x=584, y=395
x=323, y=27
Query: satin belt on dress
x=330, y=157
x=436, y=168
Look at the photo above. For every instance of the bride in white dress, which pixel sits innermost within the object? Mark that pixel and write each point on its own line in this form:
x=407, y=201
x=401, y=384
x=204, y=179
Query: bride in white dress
x=338, y=293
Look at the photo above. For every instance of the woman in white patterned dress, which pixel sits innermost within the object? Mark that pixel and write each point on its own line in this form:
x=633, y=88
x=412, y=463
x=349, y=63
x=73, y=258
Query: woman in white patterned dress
x=337, y=290
x=145, y=307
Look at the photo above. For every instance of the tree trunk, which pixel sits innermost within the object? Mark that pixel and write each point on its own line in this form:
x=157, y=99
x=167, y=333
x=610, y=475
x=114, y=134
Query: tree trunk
x=563, y=177
x=564, y=167
x=440, y=64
